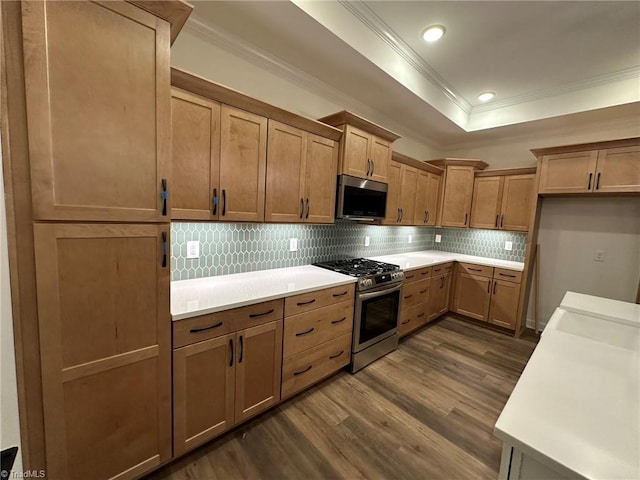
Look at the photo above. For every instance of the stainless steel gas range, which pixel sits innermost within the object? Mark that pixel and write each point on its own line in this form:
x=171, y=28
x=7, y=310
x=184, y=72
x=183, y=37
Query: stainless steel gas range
x=377, y=307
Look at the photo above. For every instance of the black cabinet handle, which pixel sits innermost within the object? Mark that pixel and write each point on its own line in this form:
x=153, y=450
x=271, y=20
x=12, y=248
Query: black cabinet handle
x=405, y=322
x=420, y=315
x=308, y=208
x=368, y=167
x=214, y=202
x=241, y=349
x=224, y=202
x=401, y=214
x=204, y=329
x=301, y=207
x=505, y=275
x=589, y=184
x=306, y=332
x=502, y=221
x=408, y=296
x=497, y=218
x=300, y=304
x=489, y=287
x=255, y=315
x=335, y=295
x=494, y=287
x=295, y=374
x=398, y=216
x=409, y=277
x=466, y=217
x=598, y=182
x=475, y=269
x=165, y=248
x=164, y=195
x=231, y=352
x=331, y=357
x=442, y=281
x=425, y=217
x=428, y=214
x=373, y=166
x=333, y=322
x=424, y=273
x=423, y=291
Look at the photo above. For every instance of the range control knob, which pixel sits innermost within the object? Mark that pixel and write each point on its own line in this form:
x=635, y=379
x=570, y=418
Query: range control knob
x=366, y=282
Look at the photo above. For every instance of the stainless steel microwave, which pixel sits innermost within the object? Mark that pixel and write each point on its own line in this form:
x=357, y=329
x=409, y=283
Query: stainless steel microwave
x=360, y=199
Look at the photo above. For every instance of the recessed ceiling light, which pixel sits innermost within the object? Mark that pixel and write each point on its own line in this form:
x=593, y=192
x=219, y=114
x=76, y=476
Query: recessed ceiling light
x=433, y=33
x=486, y=96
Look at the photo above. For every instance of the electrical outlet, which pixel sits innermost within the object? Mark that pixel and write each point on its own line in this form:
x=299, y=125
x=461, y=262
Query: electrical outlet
x=438, y=238
x=293, y=244
x=508, y=246
x=410, y=238
x=599, y=256
x=367, y=241
x=193, y=249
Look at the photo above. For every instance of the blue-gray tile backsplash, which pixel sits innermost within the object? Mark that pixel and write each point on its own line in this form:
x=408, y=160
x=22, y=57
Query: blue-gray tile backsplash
x=244, y=247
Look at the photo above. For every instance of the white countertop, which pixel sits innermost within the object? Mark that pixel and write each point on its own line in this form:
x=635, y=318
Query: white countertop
x=190, y=298
x=576, y=407
x=614, y=310
x=427, y=258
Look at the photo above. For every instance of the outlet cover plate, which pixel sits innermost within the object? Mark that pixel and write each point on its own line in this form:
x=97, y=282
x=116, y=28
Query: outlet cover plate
x=410, y=238
x=508, y=246
x=293, y=244
x=193, y=249
x=438, y=238
x=367, y=241
x=599, y=256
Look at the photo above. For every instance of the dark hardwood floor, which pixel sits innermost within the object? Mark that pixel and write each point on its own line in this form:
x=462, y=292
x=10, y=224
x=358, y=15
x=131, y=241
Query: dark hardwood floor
x=425, y=411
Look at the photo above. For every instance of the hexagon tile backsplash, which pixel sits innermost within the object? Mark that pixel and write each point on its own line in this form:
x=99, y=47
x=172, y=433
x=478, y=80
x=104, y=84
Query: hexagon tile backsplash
x=244, y=247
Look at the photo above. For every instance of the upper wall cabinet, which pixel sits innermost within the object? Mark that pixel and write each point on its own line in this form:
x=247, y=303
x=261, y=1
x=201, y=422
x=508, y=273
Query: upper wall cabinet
x=502, y=199
x=607, y=167
x=365, y=150
x=98, y=111
x=301, y=176
x=427, y=198
x=457, y=192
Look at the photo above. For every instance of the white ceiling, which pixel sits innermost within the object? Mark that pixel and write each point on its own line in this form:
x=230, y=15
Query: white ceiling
x=545, y=59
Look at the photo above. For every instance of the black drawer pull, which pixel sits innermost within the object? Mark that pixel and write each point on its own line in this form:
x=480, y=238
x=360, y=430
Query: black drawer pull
x=333, y=322
x=423, y=291
x=421, y=315
x=475, y=269
x=335, y=295
x=409, y=277
x=589, y=185
x=331, y=357
x=231, y=354
x=299, y=304
x=408, y=296
x=598, y=182
x=295, y=374
x=405, y=322
x=306, y=332
x=254, y=315
x=204, y=329
x=505, y=275
x=424, y=273
x=241, y=350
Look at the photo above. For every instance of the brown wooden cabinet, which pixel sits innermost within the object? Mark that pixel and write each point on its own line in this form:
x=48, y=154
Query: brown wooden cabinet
x=301, y=176
x=590, y=171
x=401, y=196
x=99, y=131
x=103, y=310
x=504, y=303
x=415, y=300
x=473, y=296
x=365, y=150
x=428, y=189
x=503, y=202
x=440, y=292
x=221, y=381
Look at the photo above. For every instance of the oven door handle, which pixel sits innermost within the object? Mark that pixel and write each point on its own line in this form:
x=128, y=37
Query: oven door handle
x=378, y=293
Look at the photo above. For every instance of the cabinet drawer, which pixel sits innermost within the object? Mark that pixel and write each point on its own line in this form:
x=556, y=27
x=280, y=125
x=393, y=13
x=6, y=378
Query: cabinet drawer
x=318, y=299
x=444, y=268
x=307, y=330
x=308, y=367
x=508, y=275
x=415, y=293
x=412, y=318
x=473, y=269
x=196, y=329
x=418, y=274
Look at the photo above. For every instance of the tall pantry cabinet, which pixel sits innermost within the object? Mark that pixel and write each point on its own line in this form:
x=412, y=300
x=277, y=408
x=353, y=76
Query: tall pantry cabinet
x=94, y=122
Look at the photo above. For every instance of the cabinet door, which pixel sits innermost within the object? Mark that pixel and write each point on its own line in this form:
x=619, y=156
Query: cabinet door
x=258, y=369
x=104, y=325
x=98, y=110
x=433, y=194
x=438, y=291
x=321, y=173
x=380, y=155
x=422, y=185
x=472, y=296
x=355, y=159
x=286, y=148
x=487, y=200
x=243, y=161
x=195, y=156
x=203, y=391
x=444, y=293
x=618, y=170
x=408, y=184
x=568, y=172
x=457, y=196
x=517, y=198
x=393, y=193
x=504, y=303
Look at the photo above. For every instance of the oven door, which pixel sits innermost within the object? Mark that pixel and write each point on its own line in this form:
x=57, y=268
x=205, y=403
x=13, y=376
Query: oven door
x=376, y=316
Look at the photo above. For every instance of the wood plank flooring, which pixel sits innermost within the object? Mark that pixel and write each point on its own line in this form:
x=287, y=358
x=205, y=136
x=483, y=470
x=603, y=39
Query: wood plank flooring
x=425, y=411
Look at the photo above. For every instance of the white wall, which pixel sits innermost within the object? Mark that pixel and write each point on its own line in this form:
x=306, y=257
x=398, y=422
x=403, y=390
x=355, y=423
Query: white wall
x=281, y=85
x=571, y=229
x=9, y=424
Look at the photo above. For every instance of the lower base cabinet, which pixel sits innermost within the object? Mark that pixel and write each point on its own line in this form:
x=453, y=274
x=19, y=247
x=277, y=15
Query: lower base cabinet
x=439, y=299
x=222, y=381
x=473, y=296
x=504, y=303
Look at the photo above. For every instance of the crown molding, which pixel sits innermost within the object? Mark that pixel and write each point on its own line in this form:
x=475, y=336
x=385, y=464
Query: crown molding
x=597, y=81
x=383, y=31
x=243, y=49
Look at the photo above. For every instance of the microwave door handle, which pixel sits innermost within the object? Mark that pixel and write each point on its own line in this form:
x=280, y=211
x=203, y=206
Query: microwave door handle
x=365, y=296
